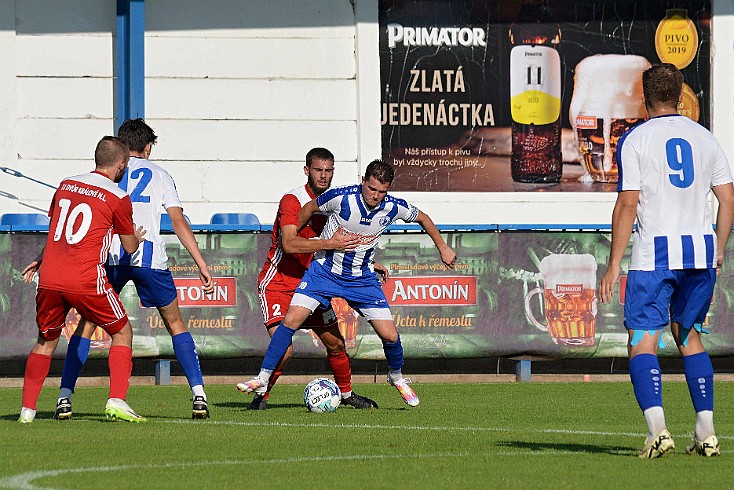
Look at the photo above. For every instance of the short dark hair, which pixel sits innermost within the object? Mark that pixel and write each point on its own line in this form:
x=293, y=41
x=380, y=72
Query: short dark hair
x=320, y=153
x=381, y=171
x=662, y=85
x=109, y=151
x=136, y=134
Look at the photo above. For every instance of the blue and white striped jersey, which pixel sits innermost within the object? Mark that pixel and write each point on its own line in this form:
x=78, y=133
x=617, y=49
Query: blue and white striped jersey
x=349, y=215
x=674, y=162
x=152, y=191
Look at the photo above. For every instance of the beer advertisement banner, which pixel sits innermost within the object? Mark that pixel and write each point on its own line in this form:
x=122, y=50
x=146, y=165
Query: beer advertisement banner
x=527, y=95
x=511, y=294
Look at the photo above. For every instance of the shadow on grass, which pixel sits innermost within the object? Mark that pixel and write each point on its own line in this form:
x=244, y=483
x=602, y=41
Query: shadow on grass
x=569, y=448
x=245, y=404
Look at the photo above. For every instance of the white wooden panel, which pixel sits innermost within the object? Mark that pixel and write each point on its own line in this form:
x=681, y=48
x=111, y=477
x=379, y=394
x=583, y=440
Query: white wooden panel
x=251, y=140
x=65, y=56
x=254, y=187
x=261, y=18
x=57, y=139
x=65, y=97
x=250, y=99
x=69, y=16
x=722, y=73
x=249, y=58
x=7, y=81
x=525, y=208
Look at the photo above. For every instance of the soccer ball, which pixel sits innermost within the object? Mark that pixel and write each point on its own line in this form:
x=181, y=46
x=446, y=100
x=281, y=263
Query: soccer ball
x=322, y=395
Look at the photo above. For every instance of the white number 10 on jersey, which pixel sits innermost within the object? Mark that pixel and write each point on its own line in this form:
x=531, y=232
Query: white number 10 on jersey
x=67, y=220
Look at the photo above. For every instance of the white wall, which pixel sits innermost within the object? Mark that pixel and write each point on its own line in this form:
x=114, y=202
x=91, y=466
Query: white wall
x=57, y=86
x=238, y=91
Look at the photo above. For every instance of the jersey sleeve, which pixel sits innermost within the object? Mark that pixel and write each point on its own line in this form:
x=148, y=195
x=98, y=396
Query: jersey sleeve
x=168, y=192
x=330, y=201
x=122, y=217
x=722, y=170
x=406, y=212
x=628, y=161
x=288, y=210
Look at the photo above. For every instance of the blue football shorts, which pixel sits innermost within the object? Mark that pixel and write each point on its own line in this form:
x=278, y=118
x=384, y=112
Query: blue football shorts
x=155, y=287
x=364, y=293
x=655, y=298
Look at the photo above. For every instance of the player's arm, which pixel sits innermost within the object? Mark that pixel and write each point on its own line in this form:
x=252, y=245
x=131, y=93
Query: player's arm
x=183, y=231
x=623, y=219
x=448, y=256
x=130, y=243
x=294, y=244
x=29, y=272
x=724, y=217
x=305, y=214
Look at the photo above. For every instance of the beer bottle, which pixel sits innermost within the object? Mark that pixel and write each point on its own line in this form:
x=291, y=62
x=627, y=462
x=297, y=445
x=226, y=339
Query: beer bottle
x=535, y=95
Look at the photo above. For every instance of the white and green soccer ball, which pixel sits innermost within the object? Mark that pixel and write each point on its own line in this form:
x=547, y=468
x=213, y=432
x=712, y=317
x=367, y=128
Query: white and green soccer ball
x=322, y=395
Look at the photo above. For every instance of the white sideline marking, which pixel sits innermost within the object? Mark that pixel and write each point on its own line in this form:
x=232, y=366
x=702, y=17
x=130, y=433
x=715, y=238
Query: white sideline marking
x=24, y=481
x=415, y=427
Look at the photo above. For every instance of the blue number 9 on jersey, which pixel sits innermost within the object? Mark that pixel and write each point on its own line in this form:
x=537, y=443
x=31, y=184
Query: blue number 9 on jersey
x=322, y=395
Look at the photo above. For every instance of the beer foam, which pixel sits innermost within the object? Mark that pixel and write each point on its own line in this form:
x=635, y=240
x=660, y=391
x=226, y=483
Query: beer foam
x=568, y=269
x=608, y=86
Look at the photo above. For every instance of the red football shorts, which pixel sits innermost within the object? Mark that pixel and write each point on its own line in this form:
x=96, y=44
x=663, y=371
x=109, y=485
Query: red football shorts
x=274, y=305
x=105, y=310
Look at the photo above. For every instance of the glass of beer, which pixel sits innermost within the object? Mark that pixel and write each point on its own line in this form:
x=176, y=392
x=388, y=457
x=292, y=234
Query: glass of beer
x=606, y=102
x=567, y=298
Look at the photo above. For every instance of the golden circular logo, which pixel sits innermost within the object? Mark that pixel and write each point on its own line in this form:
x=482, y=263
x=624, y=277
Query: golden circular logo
x=676, y=39
x=688, y=105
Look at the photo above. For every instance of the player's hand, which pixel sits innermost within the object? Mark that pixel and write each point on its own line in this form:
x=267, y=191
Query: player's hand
x=207, y=283
x=606, y=285
x=30, y=271
x=382, y=273
x=448, y=257
x=344, y=243
x=140, y=233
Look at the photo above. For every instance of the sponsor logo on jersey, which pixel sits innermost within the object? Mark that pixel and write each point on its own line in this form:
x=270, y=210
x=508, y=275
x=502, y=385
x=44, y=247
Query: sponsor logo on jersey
x=431, y=290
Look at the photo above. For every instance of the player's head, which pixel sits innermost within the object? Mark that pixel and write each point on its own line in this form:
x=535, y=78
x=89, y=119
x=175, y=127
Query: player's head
x=319, y=169
x=138, y=136
x=376, y=181
x=111, y=156
x=661, y=86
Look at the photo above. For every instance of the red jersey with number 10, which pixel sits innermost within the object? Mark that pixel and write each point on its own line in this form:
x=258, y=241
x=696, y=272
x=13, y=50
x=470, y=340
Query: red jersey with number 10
x=282, y=271
x=85, y=212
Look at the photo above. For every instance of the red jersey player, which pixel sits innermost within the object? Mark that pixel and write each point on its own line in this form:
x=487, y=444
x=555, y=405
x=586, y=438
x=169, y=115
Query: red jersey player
x=288, y=258
x=85, y=212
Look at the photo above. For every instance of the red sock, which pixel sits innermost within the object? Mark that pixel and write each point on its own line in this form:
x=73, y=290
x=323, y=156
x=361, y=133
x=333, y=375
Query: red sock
x=36, y=370
x=273, y=378
x=339, y=362
x=121, y=368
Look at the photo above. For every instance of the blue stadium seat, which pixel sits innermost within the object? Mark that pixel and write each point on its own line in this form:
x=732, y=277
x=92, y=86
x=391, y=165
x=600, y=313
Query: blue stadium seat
x=25, y=221
x=166, y=225
x=235, y=222
x=234, y=219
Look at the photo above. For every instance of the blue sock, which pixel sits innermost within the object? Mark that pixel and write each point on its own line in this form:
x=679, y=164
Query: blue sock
x=76, y=355
x=700, y=378
x=647, y=380
x=394, y=354
x=185, y=350
x=280, y=342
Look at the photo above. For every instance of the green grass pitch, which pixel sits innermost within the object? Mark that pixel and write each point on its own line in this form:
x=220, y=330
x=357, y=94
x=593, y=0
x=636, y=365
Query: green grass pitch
x=495, y=435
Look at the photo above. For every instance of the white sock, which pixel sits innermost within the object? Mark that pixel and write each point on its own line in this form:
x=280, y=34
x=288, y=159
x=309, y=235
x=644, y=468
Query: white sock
x=65, y=393
x=265, y=375
x=704, y=424
x=395, y=375
x=655, y=418
x=30, y=411
x=346, y=394
x=198, y=390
